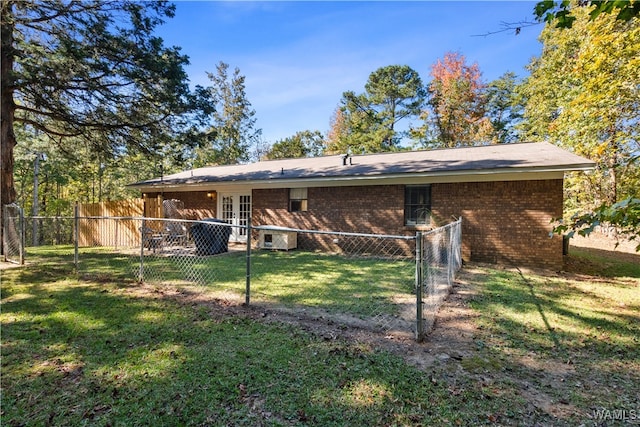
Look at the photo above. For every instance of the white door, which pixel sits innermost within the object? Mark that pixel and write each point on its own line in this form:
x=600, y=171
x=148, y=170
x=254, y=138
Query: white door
x=236, y=209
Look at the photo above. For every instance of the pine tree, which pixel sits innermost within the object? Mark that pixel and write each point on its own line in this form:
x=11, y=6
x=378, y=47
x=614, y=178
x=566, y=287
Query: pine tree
x=233, y=120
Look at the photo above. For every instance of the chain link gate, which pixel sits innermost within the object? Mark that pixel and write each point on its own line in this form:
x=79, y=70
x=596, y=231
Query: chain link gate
x=13, y=234
x=438, y=258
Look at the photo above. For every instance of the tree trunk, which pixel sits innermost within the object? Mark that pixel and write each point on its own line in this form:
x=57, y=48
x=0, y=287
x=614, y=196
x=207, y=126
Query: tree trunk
x=614, y=162
x=7, y=110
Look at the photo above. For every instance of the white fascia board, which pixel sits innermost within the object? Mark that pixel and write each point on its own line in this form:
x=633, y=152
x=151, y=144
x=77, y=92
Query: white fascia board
x=415, y=178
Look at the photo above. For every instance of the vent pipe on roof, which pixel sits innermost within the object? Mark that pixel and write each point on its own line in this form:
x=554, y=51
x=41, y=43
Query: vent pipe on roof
x=344, y=159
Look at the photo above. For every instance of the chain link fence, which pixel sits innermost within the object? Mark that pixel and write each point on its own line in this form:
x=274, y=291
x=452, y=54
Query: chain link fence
x=383, y=283
x=355, y=280
x=439, y=257
x=13, y=234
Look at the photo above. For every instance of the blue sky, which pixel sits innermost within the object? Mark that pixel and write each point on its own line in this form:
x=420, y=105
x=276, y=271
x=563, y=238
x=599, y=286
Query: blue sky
x=299, y=57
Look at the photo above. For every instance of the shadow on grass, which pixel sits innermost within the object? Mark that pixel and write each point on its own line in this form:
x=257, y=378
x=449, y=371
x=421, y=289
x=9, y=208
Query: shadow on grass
x=573, y=339
x=80, y=352
x=558, y=313
x=603, y=263
x=360, y=287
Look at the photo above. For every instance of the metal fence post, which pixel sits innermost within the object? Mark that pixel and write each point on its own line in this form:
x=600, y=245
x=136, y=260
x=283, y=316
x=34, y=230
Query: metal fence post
x=248, y=281
x=22, y=236
x=116, y=237
x=450, y=255
x=419, y=288
x=459, y=244
x=76, y=235
x=141, y=269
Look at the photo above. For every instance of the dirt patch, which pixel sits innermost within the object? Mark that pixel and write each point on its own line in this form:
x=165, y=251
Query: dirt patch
x=455, y=353
x=451, y=338
x=4, y=265
x=451, y=354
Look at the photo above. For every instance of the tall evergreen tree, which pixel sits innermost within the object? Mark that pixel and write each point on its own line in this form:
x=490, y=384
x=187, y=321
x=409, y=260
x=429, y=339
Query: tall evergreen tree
x=233, y=120
x=392, y=94
x=505, y=107
x=91, y=74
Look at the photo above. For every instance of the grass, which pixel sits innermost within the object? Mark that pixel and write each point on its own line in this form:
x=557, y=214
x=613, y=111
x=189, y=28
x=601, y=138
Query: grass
x=101, y=350
x=80, y=352
x=573, y=338
x=356, y=286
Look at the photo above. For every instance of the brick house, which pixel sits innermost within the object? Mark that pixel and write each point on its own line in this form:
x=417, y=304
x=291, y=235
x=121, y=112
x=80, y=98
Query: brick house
x=506, y=194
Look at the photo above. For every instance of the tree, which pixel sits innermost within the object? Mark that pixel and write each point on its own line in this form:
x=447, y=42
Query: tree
x=561, y=13
x=392, y=94
x=582, y=94
x=233, y=120
x=90, y=74
x=303, y=144
x=338, y=132
x=504, y=108
x=457, y=103
x=81, y=176
x=623, y=215
x=260, y=150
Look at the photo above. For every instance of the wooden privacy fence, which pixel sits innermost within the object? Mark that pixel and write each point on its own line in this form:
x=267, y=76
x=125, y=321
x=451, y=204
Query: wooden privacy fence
x=153, y=207
x=133, y=207
x=96, y=229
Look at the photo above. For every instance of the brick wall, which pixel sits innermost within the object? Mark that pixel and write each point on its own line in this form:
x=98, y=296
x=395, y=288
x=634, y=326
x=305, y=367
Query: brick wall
x=371, y=209
x=197, y=204
x=503, y=222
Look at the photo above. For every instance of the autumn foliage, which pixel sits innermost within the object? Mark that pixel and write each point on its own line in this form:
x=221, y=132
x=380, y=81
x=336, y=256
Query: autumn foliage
x=457, y=102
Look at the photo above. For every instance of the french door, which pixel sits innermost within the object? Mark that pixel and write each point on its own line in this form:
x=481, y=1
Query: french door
x=236, y=209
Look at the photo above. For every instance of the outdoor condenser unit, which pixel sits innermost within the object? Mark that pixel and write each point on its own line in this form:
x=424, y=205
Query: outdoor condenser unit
x=278, y=238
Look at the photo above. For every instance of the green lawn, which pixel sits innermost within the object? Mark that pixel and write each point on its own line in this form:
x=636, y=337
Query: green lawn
x=571, y=339
x=102, y=350
x=359, y=287
x=82, y=352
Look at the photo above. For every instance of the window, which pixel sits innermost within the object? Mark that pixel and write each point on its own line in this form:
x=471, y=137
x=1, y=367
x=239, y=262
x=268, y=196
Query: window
x=417, y=204
x=297, y=200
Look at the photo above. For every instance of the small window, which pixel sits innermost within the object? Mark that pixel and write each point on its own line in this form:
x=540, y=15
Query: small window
x=417, y=205
x=297, y=200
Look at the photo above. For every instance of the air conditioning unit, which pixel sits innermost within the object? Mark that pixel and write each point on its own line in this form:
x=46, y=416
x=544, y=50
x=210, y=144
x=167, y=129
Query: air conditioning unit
x=278, y=238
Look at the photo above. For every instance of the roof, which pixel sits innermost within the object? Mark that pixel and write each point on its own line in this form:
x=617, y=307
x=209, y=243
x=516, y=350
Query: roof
x=522, y=157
